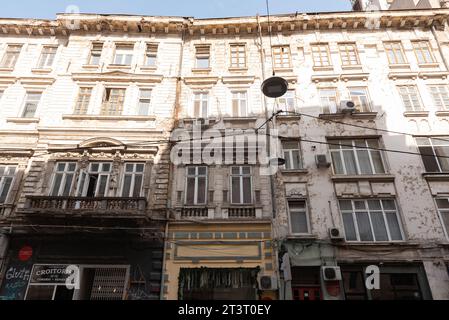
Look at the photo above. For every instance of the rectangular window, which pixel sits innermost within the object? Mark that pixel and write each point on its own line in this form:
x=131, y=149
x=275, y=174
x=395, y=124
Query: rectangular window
x=95, y=53
x=328, y=100
x=281, y=56
x=371, y=220
x=133, y=180
x=395, y=52
x=299, y=221
x=82, y=103
x=7, y=174
x=144, y=102
x=31, y=103
x=239, y=104
x=11, y=56
x=202, y=56
x=124, y=54
x=443, y=207
x=361, y=99
x=434, y=153
x=241, y=185
x=151, y=54
x=63, y=179
x=47, y=57
x=113, y=102
x=287, y=102
x=410, y=98
x=348, y=54
x=321, y=55
x=200, y=105
x=238, y=56
x=354, y=157
x=292, y=155
x=196, y=186
x=440, y=96
x=423, y=52
x=94, y=182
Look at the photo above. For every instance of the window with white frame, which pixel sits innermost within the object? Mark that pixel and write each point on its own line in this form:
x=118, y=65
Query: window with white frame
x=241, y=185
x=94, y=182
x=32, y=100
x=353, y=157
x=151, y=54
x=440, y=96
x=348, y=54
x=292, y=155
x=434, y=153
x=200, y=104
x=124, y=54
x=360, y=97
x=443, y=208
x=95, y=53
x=113, y=100
x=10, y=56
x=395, y=52
x=239, y=104
x=299, y=220
x=47, y=57
x=321, y=55
x=144, y=102
x=83, y=100
x=410, y=97
x=371, y=220
x=196, y=186
x=238, y=56
x=328, y=100
x=63, y=175
x=7, y=174
x=133, y=180
x=281, y=57
x=202, y=56
x=423, y=52
x=287, y=102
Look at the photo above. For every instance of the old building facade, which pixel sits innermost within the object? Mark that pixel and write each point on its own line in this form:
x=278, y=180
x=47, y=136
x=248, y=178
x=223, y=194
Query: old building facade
x=106, y=123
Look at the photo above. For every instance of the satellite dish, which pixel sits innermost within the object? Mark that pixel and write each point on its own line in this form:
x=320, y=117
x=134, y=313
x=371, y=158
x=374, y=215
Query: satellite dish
x=274, y=87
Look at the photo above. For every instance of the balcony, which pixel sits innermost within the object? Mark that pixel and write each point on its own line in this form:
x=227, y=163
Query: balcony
x=229, y=213
x=116, y=207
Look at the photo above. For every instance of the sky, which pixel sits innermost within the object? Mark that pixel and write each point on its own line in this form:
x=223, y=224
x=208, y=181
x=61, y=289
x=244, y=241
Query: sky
x=47, y=9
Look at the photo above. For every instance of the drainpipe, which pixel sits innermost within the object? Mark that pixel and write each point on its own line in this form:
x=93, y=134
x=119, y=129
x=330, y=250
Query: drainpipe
x=272, y=182
x=439, y=45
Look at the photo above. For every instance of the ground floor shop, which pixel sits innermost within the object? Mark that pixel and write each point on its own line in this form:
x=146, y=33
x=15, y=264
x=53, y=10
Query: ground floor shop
x=106, y=268
x=220, y=261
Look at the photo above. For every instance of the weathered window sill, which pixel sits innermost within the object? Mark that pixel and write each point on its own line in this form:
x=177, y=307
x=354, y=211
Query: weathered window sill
x=294, y=171
x=41, y=70
x=378, y=244
x=148, y=68
x=6, y=69
x=355, y=115
x=436, y=176
x=119, y=66
x=237, y=69
x=201, y=70
x=325, y=68
x=400, y=66
x=91, y=66
x=302, y=237
x=23, y=120
x=429, y=65
x=288, y=116
x=416, y=114
x=442, y=113
x=371, y=177
x=100, y=117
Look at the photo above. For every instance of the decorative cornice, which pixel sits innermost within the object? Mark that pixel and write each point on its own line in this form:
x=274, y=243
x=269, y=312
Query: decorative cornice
x=117, y=76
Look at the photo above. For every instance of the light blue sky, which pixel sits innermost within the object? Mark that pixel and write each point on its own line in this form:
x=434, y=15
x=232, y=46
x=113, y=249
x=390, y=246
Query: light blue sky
x=47, y=9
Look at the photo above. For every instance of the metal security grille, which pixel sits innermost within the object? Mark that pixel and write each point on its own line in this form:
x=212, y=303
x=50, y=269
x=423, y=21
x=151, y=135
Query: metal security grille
x=109, y=283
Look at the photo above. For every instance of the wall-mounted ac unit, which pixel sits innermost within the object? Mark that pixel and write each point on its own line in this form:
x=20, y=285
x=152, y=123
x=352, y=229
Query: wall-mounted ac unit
x=335, y=234
x=347, y=106
x=267, y=282
x=331, y=273
x=321, y=161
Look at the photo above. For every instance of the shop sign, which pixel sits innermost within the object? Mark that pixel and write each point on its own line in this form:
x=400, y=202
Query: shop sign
x=50, y=273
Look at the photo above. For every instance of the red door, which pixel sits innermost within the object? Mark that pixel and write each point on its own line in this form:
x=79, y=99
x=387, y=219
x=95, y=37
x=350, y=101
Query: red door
x=307, y=293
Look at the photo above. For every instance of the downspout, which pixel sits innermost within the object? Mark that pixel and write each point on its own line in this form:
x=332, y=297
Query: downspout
x=175, y=124
x=273, y=197
x=439, y=46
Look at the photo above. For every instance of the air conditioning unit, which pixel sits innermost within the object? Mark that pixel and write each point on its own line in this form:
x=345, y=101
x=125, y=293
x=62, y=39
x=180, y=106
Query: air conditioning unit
x=332, y=273
x=347, y=106
x=321, y=161
x=335, y=234
x=267, y=282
